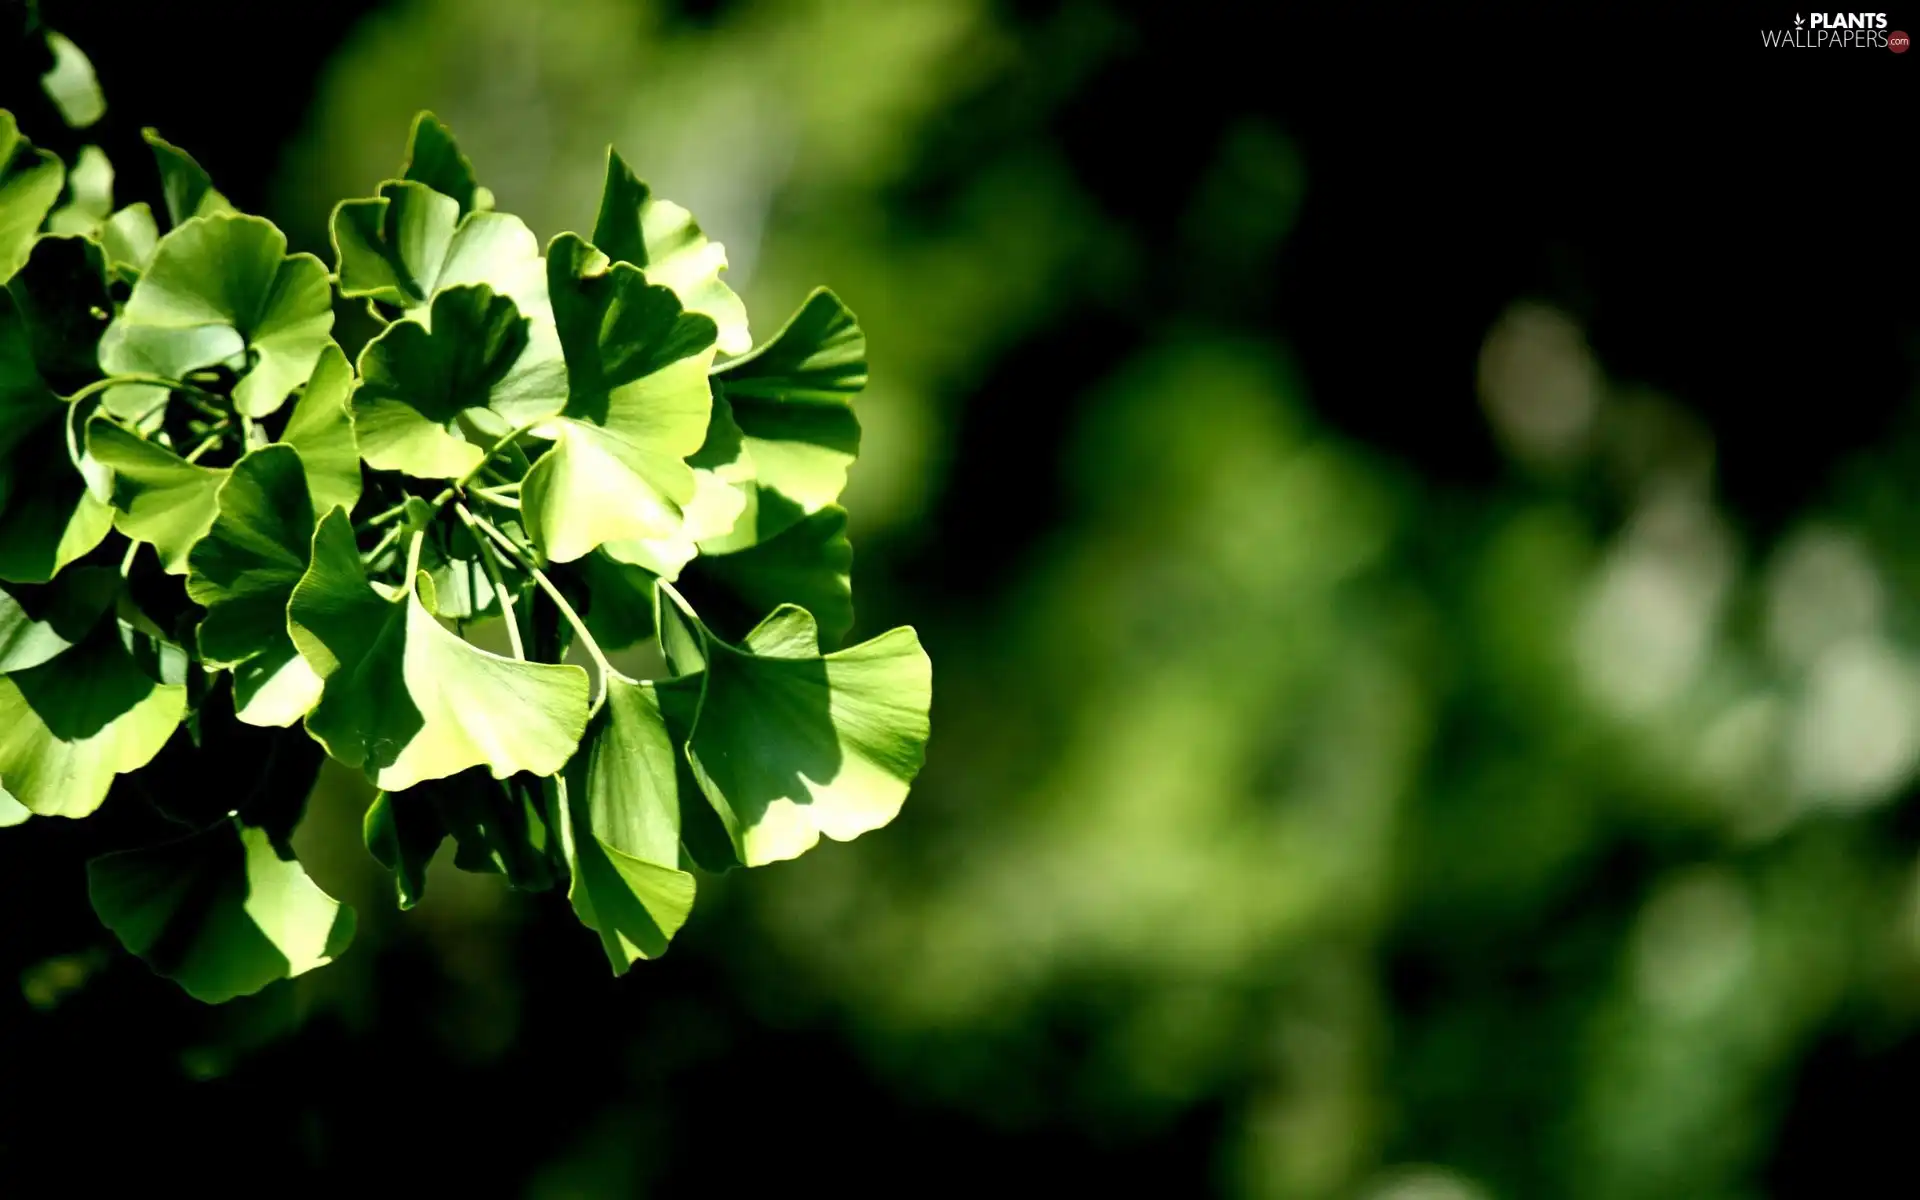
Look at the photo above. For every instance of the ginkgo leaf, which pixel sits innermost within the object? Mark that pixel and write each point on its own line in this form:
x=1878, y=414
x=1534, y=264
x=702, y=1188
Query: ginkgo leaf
x=38, y=623
x=220, y=912
x=405, y=699
x=637, y=407
x=68, y=726
x=71, y=83
x=187, y=189
x=663, y=240
x=621, y=826
x=30, y=181
x=418, y=385
x=220, y=287
x=12, y=812
x=50, y=516
x=789, y=745
x=61, y=298
x=130, y=237
x=496, y=826
x=321, y=429
x=89, y=194
x=792, y=401
x=243, y=571
x=410, y=242
x=26, y=403
x=158, y=497
x=433, y=158
x=620, y=600
x=809, y=563
x=712, y=512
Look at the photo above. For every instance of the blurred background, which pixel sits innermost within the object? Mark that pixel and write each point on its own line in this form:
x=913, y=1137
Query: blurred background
x=1417, y=524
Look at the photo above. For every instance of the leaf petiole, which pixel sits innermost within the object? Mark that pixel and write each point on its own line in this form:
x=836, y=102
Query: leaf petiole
x=490, y=562
x=553, y=593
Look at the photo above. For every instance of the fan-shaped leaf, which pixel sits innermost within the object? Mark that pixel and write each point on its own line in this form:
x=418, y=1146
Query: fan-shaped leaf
x=407, y=700
x=38, y=623
x=244, y=571
x=158, y=497
x=809, y=563
x=30, y=181
x=188, y=190
x=220, y=287
x=788, y=745
x=68, y=726
x=221, y=913
x=663, y=239
x=637, y=407
x=413, y=411
x=321, y=429
x=792, y=401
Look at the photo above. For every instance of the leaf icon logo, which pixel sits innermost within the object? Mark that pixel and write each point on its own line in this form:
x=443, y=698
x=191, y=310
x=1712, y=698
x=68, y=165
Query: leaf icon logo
x=1797, y=22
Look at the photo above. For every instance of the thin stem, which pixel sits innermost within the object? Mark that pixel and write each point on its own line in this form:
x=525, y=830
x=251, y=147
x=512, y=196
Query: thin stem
x=248, y=431
x=490, y=561
x=126, y=560
x=113, y=381
x=207, y=443
x=494, y=497
x=380, y=547
x=509, y=439
x=413, y=556
x=553, y=593
x=379, y=519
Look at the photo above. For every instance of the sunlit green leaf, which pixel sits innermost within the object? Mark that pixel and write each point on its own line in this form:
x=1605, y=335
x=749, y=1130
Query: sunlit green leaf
x=662, y=238
x=72, y=85
x=788, y=745
x=405, y=699
x=243, y=571
x=321, y=429
x=220, y=287
x=622, y=826
x=158, y=497
x=411, y=411
x=38, y=623
x=90, y=194
x=220, y=912
x=68, y=726
x=30, y=182
x=130, y=236
x=12, y=812
x=792, y=401
x=637, y=406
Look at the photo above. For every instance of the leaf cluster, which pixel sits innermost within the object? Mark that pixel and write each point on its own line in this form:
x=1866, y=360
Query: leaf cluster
x=222, y=537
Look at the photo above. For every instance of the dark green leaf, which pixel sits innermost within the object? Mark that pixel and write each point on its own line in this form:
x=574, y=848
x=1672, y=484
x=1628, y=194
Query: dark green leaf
x=188, y=191
x=30, y=182
x=221, y=913
x=662, y=238
x=788, y=745
x=405, y=699
x=417, y=385
x=68, y=726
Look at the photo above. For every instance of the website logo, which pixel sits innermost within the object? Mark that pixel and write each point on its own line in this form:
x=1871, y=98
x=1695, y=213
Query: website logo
x=1836, y=31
